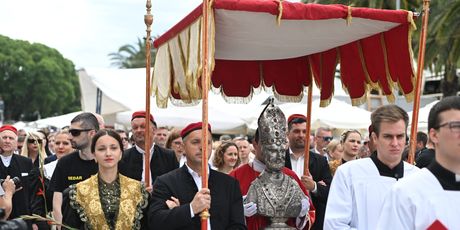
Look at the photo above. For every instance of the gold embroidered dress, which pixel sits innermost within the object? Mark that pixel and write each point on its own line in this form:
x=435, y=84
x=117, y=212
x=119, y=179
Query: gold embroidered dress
x=109, y=206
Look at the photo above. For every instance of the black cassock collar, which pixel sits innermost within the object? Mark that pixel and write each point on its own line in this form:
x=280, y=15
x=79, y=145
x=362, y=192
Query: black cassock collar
x=397, y=172
x=446, y=178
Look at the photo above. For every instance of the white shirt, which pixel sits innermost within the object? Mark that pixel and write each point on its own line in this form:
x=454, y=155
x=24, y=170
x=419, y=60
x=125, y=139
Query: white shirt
x=198, y=183
x=143, y=163
x=182, y=160
x=2, y=192
x=356, y=195
x=6, y=160
x=297, y=164
x=416, y=202
x=49, y=168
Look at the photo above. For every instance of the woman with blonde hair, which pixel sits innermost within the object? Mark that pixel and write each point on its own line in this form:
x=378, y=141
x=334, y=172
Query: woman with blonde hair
x=226, y=157
x=350, y=140
x=35, y=148
x=335, y=150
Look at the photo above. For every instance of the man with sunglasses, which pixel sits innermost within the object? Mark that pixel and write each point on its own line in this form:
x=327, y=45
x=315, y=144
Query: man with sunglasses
x=320, y=176
x=76, y=166
x=15, y=165
x=430, y=199
x=323, y=136
x=358, y=188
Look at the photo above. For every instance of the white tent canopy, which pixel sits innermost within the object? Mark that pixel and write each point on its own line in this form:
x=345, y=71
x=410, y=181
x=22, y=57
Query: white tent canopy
x=423, y=116
x=338, y=115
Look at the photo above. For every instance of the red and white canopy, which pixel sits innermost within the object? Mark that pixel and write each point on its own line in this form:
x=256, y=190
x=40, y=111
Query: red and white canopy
x=282, y=46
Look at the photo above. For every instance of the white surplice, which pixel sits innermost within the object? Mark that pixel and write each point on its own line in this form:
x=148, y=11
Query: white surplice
x=356, y=195
x=416, y=202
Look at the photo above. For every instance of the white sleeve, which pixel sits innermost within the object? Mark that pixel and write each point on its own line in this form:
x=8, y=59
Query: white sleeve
x=2, y=192
x=397, y=211
x=339, y=208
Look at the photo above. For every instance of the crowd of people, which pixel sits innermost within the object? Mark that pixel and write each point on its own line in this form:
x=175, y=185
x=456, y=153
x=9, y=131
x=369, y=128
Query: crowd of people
x=87, y=176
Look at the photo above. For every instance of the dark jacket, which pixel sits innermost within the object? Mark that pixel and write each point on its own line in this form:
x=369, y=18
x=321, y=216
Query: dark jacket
x=319, y=170
x=226, y=202
x=162, y=161
x=20, y=167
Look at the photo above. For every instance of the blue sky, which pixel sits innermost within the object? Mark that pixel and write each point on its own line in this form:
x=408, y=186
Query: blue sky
x=86, y=31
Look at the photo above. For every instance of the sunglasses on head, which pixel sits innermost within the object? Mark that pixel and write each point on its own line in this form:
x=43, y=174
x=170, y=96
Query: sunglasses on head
x=31, y=141
x=77, y=132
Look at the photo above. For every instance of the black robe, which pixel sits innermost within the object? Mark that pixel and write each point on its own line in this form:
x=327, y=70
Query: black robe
x=20, y=167
x=226, y=202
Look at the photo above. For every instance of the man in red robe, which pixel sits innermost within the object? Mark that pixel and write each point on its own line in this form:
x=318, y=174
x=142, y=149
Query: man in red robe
x=247, y=173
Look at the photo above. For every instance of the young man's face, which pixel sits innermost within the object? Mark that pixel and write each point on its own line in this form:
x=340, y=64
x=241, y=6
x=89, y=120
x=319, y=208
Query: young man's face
x=447, y=137
x=390, y=141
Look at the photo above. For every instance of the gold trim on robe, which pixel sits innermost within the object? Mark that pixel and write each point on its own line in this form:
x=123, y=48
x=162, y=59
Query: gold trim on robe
x=84, y=198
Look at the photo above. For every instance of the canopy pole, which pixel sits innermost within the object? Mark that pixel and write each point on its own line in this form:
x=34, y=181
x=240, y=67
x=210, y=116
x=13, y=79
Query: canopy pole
x=204, y=94
x=306, y=160
x=420, y=64
x=148, y=19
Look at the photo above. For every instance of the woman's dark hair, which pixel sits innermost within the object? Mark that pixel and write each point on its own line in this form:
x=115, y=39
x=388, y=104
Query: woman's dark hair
x=104, y=132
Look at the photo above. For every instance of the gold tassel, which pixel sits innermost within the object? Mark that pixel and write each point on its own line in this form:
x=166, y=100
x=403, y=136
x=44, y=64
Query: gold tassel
x=349, y=17
x=280, y=9
x=410, y=18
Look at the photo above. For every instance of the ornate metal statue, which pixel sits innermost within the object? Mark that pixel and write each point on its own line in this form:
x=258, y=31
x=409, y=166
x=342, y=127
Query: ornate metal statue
x=277, y=195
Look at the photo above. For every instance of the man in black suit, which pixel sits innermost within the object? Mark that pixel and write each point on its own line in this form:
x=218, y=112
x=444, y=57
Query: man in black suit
x=15, y=165
x=320, y=177
x=161, y=160
x=177, y=200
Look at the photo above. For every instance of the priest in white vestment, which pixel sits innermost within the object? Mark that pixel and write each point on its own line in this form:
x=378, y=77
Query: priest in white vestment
x=430, y=199
x=359, y=187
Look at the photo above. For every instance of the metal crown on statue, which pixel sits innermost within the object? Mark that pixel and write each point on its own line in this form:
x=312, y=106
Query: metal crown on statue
x=277, y=195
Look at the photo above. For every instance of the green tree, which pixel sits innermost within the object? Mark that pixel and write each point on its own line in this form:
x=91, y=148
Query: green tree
x=36, y=79
x=131, y=56
x=443, y=43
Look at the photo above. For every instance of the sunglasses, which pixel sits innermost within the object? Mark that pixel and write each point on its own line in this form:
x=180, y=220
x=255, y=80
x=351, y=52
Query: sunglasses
x=326, y=138
x=124, y=139
x=32, y=141
x=77, y=132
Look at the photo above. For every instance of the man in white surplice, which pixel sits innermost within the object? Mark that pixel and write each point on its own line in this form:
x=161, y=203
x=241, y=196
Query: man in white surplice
x=430, y=199
x=359, y=187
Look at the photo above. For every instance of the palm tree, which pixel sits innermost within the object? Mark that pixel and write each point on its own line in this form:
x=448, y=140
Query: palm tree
x=443, y=43
x=131, y=56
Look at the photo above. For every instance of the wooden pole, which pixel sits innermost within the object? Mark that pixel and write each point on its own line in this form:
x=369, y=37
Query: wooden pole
x=420, y=64
x=204, y=93
x=148, y=19
x=306, y=162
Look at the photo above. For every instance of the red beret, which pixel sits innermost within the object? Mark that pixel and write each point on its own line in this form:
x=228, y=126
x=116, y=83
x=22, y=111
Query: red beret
x=10, y=128
x=192, y=127
x=141, y=114
x=296, y=116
